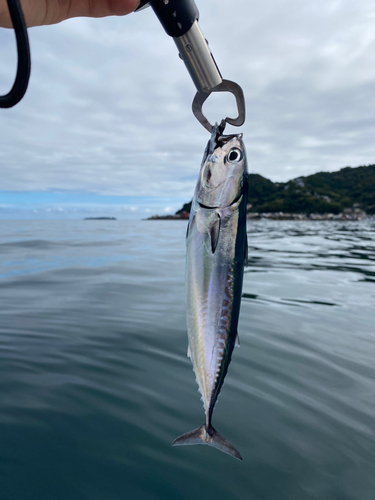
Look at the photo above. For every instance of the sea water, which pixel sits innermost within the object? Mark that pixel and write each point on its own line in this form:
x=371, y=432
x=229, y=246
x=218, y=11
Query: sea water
x=95, y=383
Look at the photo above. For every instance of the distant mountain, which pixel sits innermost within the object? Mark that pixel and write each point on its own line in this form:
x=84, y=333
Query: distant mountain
x=324, y=192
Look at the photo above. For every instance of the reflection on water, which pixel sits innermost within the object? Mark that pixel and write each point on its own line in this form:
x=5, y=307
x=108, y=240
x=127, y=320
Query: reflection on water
x=95, y=383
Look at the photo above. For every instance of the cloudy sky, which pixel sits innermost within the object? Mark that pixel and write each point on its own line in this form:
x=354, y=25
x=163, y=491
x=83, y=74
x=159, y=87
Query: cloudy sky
x=106, y=124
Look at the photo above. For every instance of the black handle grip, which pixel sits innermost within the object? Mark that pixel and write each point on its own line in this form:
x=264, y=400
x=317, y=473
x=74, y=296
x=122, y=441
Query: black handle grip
x=176, y=16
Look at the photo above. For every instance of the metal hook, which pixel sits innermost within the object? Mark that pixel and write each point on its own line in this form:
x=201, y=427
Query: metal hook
x=224, y=86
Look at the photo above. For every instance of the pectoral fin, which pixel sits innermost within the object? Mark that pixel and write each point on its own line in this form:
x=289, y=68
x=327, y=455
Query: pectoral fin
x=214, y=231
x=190, y=226
x=237, y=344
x=188, y=352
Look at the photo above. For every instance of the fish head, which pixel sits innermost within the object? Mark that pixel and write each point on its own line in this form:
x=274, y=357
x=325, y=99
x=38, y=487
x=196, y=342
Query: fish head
x=223, y=172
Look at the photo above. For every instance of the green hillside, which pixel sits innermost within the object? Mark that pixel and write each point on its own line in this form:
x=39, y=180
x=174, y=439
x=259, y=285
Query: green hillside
x=324, y=192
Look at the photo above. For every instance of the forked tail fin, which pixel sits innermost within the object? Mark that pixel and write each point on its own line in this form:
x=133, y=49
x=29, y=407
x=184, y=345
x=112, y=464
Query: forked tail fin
x=204, y=435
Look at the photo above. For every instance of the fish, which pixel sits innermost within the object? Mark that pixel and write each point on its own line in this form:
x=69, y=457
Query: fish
x=216, y=254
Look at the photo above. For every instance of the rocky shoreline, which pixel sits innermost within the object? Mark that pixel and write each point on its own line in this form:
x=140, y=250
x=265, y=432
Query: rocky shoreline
x=180, y=216
x=347, y=215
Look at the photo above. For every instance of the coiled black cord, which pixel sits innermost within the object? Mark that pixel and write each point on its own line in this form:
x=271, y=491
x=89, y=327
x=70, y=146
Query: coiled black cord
x=24, y=63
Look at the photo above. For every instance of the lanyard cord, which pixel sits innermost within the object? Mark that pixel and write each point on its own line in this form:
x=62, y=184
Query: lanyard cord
x=24, y=63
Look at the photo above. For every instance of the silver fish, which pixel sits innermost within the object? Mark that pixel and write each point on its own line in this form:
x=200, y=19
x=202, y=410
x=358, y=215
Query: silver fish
x=215, y=259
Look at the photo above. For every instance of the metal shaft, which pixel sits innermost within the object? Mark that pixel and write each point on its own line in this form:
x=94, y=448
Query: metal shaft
x=198, y=59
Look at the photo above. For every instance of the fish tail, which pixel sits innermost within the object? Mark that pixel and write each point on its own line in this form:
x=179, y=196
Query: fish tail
x=207, y=435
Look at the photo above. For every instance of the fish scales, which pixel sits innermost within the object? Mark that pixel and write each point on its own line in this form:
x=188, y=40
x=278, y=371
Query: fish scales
x=216, y=254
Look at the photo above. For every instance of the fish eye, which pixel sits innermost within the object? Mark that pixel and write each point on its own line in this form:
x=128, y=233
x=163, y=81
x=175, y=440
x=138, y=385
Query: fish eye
x=234, y=155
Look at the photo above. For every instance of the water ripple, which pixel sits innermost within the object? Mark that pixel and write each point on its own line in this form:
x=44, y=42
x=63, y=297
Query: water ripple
x=95, y=383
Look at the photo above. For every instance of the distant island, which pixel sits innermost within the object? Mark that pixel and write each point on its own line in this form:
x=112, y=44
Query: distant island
x=100, y=218
x=348, y=194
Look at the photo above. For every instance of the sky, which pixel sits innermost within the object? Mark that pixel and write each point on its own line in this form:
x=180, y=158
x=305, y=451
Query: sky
x=106, y=125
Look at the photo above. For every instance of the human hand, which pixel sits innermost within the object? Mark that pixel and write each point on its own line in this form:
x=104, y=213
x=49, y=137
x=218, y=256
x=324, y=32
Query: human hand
x=41, y=12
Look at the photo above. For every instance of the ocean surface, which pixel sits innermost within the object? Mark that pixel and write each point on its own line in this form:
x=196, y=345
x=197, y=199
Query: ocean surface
x=95, y=383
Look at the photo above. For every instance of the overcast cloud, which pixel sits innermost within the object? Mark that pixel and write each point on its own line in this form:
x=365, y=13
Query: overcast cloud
x=108, y=110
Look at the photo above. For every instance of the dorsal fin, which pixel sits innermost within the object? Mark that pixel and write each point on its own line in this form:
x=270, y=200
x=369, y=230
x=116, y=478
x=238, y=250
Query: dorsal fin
x=214, y=231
